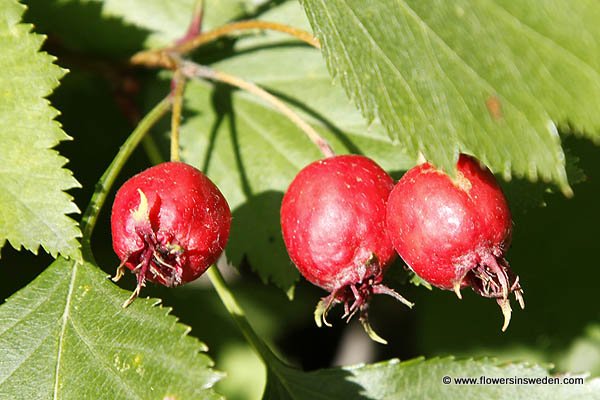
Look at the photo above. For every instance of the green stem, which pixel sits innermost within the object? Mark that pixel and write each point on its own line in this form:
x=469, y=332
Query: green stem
x=223, y=291
x=177, y=99
x=237, y=313
x=90, y=216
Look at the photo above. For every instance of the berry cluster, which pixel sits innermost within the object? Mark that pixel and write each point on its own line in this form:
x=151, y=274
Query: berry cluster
x=342, y=218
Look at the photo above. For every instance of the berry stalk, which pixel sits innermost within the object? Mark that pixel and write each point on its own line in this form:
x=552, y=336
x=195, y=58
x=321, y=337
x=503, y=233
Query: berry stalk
x=158, y=58
x=193, y=70
x=239, y=317
x=229, y=300
x=234, y=27
x=90, y=216
x=177, y=97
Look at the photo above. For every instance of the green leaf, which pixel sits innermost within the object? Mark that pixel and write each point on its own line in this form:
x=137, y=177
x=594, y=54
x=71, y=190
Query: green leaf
x=418, y=281
x=419, y=379
x=584, y=353
x=168, y=20
x=486, y=78
x=33, y=202
x=252, y=152
x=121, y=27
x=524, y=195
x=67, y=332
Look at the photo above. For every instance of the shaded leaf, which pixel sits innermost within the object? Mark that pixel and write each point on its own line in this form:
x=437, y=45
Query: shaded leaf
x=168, y=20
x=121, y=27
x=67, y=332
x=485, y=78
x=419, y=379
x=33, y=202
x=584, y=352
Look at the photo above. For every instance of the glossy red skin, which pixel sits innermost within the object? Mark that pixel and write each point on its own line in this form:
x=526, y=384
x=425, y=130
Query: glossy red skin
x=442, y=227
x=185, y=208
x=333, y=221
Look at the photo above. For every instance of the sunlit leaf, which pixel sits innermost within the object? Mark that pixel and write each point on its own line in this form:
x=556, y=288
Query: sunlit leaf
x=430, y=379
x=68, y=333
x=33, y=202
x=488, y=78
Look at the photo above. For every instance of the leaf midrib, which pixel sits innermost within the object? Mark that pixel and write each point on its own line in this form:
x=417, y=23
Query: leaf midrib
x=63, y=329
x=430, y=34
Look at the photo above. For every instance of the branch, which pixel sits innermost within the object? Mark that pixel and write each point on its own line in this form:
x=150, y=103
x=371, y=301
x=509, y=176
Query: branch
x=161, y=57
x=193, y=70
x=202, y=39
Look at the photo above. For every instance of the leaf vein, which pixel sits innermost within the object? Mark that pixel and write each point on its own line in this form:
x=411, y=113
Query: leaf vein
x=106, y=365
x=393, y=66
x=63, y=329
x=274, y=144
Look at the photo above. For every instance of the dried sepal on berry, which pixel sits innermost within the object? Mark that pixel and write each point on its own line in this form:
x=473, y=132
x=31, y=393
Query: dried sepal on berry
x=169, y=224
x=333, y=224
x=454, y=232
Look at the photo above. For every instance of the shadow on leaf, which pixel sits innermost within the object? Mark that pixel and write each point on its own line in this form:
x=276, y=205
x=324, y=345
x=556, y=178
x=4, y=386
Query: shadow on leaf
x=82, y=26
x=256, y=233
x=333, y=383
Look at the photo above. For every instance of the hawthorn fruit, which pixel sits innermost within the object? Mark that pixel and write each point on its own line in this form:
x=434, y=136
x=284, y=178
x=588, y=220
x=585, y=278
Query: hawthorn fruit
x=169, y=224
x=454, y=232
x=333, y=225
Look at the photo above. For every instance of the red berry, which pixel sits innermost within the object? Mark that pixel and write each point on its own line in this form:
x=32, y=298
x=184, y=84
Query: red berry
x=454, y=233
x=333, y=224
x=169, y=224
